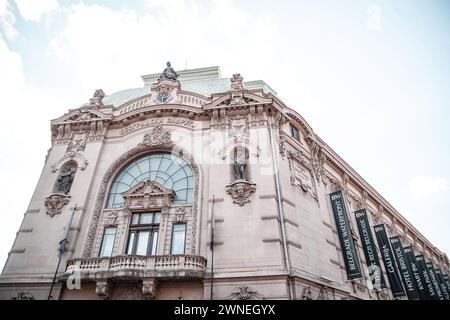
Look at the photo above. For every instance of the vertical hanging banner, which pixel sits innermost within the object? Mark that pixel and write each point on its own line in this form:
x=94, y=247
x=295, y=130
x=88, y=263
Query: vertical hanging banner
x=442, y=283
x=345, y=236
x=446, y=281
x=388, y=261
x=433, y=277
x=405, y=271
x=370, y=250
x=428, y=283
x=411, y=260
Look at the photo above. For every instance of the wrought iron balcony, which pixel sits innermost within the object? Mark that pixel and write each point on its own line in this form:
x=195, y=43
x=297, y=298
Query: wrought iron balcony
x=128, y=266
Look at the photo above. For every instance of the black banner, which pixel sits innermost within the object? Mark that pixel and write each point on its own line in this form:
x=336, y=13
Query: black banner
x=429, y=286
x=345, y=236
x=370, y=250
x=388, y=261
x=420, y=285
x=433, y=277
x=442, y=283
x=446, y=280
x=405, y=271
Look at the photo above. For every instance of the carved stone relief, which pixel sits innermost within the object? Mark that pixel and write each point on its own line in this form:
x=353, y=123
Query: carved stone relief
x=244, y=293
x=240, y=191
x=301, y=173
x=55, y=203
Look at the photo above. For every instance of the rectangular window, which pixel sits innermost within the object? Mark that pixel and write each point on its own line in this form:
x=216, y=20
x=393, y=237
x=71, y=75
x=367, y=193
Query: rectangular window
x=178, y=238
x=108, y=242
x=143, y=236
x=294, y=132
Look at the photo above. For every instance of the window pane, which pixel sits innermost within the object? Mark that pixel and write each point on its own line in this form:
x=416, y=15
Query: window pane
x=142, y=243
x=146, y=218
x=178, y=238
x=157, y=218
x=108, y=242
x=154, y=243
x=131, y=243
x=135, y=219
x=162, y=167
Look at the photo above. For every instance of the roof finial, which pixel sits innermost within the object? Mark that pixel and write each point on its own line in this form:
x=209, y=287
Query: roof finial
x=168, y=73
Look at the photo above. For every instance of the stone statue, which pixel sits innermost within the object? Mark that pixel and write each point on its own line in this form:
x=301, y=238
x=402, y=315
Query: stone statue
x=99, y=94
x=168, y=73
x=64, y=181
x=239, y=168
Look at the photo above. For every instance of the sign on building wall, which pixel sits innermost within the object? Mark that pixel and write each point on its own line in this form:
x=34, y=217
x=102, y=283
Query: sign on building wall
x=345, y=236
x=429, y=286
x=442, y=283
x=370, y=250
x=405, y=271
x=389, y=261
x=434, y=280
x=411, y=261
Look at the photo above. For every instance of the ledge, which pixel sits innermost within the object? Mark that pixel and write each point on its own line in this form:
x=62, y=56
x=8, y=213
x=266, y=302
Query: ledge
x=127, y=267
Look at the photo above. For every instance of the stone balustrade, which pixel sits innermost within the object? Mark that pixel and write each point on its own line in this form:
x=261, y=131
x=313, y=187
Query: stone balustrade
x=126, y=266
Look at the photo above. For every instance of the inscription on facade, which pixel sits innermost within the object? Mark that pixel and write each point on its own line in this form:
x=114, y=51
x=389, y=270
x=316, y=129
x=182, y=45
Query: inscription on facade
x=154, y=122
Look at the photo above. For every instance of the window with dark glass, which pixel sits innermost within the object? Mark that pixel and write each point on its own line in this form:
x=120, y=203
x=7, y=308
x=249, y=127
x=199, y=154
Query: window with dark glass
x=109, y=236
x=294, y=132
x=143, y=236
x=178, y=238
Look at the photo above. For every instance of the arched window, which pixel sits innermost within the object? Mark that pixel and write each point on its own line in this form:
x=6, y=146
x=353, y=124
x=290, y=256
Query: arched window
x=167, y=169
x=65, y=178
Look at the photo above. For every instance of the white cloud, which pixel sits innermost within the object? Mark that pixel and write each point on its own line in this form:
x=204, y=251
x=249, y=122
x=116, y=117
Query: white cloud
x=33, y=10
x=425, y=185
x=26, y=133
x=7, y=21
x=112, y=48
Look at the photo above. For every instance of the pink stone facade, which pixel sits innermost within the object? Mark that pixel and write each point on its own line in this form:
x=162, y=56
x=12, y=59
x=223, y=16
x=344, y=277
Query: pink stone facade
x=274, y=231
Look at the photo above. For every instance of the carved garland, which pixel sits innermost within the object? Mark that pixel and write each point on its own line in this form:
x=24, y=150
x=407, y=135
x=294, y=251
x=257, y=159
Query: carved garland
x=142, y=148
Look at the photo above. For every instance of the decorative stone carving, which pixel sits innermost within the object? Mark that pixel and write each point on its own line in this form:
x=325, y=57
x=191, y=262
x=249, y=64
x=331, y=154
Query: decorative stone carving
x=236, y=82
x=103, y=289
x=77, y=143
x=112, y=217
x=323, y=293
x=158, y=137
x=81, y=161
x=168, y=73
x=65, y=179
x=55, y=203
x=239, y=129
x=163, y=95
x=97, y=98
x=307, y=295
x=149, y=288
x=240, y=191
x=23, y=295
x=180, y=212
x=318, y=157
x=244, y=293
x=146, y=194
x=301, y=173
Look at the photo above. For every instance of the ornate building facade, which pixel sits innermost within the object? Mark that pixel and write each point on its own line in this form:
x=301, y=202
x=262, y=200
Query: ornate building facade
x=197, y=186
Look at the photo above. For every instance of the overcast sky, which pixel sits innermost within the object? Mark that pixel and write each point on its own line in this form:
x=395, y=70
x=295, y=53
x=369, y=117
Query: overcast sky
x=370, y=77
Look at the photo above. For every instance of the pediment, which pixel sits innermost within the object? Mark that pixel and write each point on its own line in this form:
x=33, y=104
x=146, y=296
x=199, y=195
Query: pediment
x=148, y=188
x=236, y=98
x=81, y=115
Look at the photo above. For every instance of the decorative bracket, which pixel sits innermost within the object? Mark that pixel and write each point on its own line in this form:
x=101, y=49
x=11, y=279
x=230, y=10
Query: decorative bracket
x=55, y=203
x=240, y=191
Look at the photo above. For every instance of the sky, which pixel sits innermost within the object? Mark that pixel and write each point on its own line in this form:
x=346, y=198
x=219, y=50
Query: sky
x=371, y=78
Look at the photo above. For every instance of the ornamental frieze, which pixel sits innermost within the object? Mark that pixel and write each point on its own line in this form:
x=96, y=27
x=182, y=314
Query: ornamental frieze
x=157, y=122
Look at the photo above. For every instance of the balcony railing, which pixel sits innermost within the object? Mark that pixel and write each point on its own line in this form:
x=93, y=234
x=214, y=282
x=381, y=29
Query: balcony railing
x=179, y=266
